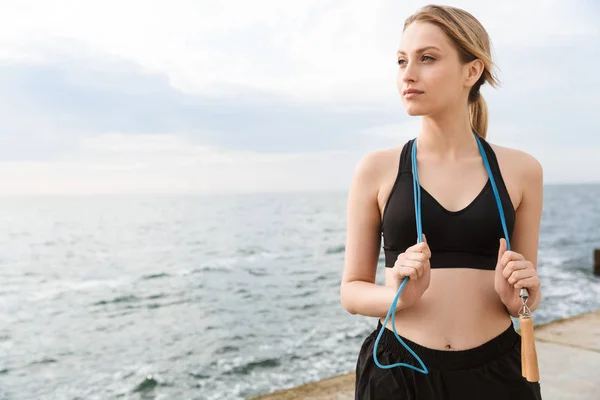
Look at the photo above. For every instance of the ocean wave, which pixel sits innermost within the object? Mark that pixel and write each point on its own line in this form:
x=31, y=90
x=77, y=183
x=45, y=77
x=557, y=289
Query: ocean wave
x=336, y=249
x=118, y=300
x=155, y=276
x=248, y=367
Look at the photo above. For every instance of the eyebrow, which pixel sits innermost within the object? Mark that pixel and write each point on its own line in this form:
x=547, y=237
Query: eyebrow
x=422, y=49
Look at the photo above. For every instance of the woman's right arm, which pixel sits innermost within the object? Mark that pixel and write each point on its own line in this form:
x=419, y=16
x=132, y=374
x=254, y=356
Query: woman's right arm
x=359, y=293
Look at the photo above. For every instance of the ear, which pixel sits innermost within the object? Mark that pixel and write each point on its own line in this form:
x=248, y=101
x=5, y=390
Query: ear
x=473, y=71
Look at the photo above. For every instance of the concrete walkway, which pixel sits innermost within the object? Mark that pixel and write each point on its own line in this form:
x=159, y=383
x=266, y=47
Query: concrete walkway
x=568, y=353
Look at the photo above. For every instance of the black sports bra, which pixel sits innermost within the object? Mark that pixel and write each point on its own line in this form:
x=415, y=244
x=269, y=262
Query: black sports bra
x=468, y=238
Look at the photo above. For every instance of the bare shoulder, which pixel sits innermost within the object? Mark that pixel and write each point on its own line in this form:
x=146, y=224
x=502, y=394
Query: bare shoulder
x=373, y=161
x=373, y=166
x=371, y=183
x=522, y=173
x=521, y=164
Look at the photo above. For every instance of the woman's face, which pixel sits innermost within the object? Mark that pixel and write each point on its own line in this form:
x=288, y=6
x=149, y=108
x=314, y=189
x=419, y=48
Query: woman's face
x=428, y=63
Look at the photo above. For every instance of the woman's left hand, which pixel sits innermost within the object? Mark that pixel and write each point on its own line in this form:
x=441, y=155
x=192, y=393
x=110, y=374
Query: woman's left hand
x=513, y=272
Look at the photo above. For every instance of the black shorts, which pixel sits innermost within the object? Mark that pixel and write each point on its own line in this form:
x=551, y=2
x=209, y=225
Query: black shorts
x=488, y=372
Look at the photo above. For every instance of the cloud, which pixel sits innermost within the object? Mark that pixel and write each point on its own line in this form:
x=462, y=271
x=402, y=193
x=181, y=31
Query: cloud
x=310, y=49
x=52, y=105
x=162, y=96
x=164, y=163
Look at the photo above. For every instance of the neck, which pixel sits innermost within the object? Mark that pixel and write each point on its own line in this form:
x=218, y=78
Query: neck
x=447, y=136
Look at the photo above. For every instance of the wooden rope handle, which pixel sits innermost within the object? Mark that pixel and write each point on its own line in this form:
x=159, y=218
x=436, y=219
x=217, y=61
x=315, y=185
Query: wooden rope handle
x=529, y=361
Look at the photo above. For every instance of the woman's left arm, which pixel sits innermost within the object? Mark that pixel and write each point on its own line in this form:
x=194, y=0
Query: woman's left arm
x=518, y=268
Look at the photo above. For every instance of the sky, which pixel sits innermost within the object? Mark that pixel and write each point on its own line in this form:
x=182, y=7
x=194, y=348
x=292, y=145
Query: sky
x=236, y=96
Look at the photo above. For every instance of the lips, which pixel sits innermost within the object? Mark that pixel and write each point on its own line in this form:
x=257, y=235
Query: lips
x=409, y=94
x=411, y=91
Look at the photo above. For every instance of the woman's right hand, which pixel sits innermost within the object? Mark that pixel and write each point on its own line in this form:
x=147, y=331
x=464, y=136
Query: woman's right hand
x=413, y=263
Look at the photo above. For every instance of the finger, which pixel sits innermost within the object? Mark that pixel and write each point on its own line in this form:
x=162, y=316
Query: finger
x=420, y=248
x=408, y=271
x=416, y=247
x=404, y=261
x=533, y=282
x=513, y=266
x=417, y=265
x=426, y=250
x=520, y=274
x=511, y=255
x=422, y=257
x=501, y=249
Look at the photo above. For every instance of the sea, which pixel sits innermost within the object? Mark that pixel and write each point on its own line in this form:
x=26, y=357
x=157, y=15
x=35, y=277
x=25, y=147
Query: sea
x=220, y=296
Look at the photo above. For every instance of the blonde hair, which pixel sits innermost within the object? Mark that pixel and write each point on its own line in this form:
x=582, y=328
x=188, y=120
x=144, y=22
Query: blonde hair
x=472, y=42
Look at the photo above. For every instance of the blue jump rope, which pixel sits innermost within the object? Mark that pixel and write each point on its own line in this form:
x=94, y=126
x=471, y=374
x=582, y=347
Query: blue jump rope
x=417, y=196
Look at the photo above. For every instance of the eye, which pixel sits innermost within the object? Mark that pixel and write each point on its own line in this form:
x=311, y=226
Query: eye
x=402, y=61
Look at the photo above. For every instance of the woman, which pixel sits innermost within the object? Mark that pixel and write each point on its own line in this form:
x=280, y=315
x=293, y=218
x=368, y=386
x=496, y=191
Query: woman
x=464, y=285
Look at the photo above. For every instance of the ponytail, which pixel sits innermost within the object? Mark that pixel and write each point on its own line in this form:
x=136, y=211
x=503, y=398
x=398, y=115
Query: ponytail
x=479, y=115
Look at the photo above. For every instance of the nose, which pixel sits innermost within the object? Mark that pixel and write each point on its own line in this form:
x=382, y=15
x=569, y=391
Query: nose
x=408, y=73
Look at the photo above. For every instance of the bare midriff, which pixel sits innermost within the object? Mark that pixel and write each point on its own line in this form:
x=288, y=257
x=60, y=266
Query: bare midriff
x=459, y=310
